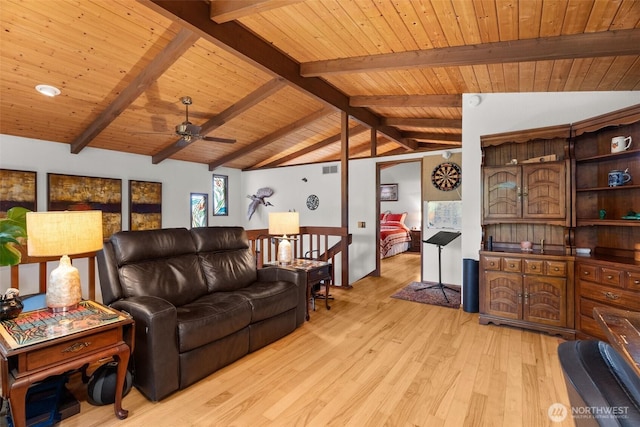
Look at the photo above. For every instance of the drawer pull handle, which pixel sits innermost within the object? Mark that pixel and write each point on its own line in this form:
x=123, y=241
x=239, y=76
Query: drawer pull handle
x=586, y=273
x=76, y=347
x=556, y=269
x=492, y=263
x=533, y=267
x=611, y=295
x=511, y=265
x=636, y=282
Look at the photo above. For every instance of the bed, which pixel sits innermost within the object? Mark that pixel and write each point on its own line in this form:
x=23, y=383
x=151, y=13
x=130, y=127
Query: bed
x=395, y=236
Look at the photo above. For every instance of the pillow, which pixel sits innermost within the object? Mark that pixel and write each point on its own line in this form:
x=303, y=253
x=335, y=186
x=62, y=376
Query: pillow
x=394, y=224
x=390, y=217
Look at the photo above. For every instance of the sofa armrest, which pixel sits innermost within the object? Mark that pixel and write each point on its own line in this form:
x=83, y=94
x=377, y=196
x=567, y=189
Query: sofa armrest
x=155, y=356
x=272, y=274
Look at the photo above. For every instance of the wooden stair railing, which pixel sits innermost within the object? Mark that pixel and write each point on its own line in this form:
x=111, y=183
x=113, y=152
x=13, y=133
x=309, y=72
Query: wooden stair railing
x=311, y=242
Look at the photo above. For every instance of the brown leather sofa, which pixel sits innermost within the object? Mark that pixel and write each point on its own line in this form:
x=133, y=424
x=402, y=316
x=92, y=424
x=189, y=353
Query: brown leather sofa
x=198, y=301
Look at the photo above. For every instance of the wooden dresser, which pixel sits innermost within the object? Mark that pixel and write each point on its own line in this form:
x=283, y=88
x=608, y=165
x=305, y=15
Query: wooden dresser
x=550, y=186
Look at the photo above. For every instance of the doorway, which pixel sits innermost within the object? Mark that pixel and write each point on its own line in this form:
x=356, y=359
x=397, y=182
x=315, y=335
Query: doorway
x=405, y=177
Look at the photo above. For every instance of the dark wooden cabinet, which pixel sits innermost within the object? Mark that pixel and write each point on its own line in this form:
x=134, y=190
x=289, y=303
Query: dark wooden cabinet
x=529, y=291
x=585, y=233
x=416, y=241
x=525, y=192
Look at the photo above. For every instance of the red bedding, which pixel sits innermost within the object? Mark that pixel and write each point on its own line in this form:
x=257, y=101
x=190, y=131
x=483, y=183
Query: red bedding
x=394, y=235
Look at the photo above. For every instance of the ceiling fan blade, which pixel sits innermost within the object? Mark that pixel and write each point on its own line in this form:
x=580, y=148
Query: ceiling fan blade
x=216, y=139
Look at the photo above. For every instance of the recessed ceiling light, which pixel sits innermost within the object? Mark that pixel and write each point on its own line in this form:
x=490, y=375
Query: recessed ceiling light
x=48, y=90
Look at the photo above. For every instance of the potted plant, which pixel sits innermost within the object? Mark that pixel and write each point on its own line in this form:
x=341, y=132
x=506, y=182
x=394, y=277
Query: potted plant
x=13, y=229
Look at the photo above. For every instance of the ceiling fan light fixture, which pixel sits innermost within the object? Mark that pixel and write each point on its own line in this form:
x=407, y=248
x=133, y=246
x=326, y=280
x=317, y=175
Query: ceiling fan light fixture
x=48, y=90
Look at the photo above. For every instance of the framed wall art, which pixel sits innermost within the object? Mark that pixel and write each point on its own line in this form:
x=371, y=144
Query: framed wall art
x=199, y=210
x=389, y=192
x=145, y=205
x=220, y=195
x=72, y=192
x=17, y=188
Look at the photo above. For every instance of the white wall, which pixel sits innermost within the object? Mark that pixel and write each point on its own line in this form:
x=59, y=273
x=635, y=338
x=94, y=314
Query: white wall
x=496, y=113
x=179, y=179
x=408, y=178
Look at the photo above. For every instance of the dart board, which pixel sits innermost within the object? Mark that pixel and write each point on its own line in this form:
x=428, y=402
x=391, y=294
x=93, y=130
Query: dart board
x=446, y=176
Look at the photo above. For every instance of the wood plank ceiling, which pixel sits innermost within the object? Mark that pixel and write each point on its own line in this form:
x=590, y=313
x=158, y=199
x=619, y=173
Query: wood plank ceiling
x=275, y=75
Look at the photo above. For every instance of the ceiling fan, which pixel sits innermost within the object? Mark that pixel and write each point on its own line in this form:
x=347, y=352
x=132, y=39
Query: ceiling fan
x=188, y=132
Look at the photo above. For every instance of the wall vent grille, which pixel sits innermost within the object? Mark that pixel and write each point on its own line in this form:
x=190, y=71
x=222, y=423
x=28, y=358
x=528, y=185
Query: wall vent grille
x=329, y=169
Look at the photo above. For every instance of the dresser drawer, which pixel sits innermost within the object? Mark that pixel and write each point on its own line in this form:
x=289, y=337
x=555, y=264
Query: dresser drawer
x=611, y=296
x=556, y=268
x=491, y=263
x=70, y=349
x=533, y=266
x=511, y=264
x=633, y=281
x=322, y=273
x=610, y=276
x=587, y=272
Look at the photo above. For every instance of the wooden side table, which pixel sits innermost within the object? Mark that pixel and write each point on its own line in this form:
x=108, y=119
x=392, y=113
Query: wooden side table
x=38, y=344
x=316, y=272
x=416, y=241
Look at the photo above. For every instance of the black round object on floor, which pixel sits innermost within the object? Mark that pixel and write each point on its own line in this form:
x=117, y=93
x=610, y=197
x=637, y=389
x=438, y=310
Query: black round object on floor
x=102, y=384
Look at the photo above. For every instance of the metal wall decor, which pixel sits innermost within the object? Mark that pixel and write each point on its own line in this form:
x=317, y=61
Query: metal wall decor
x=145, y=205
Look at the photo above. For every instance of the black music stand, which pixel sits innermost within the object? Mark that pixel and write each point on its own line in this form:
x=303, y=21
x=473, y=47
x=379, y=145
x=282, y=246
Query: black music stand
x=441, y=238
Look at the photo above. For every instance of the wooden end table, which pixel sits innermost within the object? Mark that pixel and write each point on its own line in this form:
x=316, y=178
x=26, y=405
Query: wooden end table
x=316, y=272
x=39, y=343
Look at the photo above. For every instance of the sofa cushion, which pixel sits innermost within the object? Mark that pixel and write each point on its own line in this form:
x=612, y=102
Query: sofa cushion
x=178, y=280
x=226, y=258
x=210, y=318
x=159, y=263
x=268, y=299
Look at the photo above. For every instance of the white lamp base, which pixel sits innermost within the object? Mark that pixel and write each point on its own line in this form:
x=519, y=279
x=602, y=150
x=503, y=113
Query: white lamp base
x=64, y=291
x=284, y=251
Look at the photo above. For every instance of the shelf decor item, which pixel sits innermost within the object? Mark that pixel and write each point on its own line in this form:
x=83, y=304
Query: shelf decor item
x=62, y=234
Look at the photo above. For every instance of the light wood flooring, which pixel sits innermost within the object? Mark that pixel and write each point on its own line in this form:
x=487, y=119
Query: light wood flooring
x=370, y=361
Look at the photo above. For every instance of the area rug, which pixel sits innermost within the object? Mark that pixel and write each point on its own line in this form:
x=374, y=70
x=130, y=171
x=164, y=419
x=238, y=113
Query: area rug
x=415, y=292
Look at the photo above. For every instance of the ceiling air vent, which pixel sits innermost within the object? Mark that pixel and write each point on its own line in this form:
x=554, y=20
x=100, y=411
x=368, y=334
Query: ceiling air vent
x=329, y=169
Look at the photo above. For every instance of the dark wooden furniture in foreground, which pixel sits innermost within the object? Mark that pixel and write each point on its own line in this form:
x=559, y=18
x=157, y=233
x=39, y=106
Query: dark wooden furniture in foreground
x=38, y=344
x=316, y=271
x=622, y=329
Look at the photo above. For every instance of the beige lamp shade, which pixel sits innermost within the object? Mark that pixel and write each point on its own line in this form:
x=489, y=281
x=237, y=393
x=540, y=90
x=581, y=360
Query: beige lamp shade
x=63, y=232
x=284, y=223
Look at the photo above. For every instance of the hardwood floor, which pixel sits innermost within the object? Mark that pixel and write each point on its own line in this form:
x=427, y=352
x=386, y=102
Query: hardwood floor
x=370, y=361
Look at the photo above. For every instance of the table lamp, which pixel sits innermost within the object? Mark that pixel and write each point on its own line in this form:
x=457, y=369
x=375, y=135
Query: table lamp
x=284, y=223
x=63, y=233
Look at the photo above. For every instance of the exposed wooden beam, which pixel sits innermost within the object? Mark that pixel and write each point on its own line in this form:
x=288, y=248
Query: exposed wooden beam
x=280, y=133
x=234, y=110
x=229, y=10
x=423, y=123
x=587, y=45
x=234, y=38
x=310, y=149
x=434, y=137
x=429, y=101
x=174, y=50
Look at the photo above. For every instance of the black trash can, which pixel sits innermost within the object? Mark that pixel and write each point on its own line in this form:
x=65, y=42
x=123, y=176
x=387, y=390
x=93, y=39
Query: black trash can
x=470, y=285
